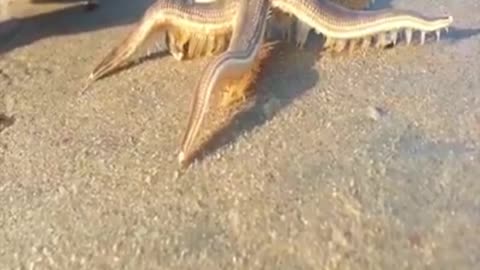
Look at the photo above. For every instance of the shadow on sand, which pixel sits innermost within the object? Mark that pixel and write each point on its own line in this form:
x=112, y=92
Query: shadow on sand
x=69, y=20
x=297, y=76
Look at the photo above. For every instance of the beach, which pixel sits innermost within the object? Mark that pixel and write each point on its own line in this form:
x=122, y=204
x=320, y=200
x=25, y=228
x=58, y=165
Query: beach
x=368, y=160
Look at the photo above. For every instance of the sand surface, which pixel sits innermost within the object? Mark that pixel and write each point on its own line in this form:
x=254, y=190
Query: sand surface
x=363, y=161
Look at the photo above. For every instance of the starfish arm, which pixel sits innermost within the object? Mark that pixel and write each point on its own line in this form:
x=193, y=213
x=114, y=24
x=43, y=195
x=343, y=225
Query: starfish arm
x=302, y=30
x=167, y=15
x=237, y=60
x=338, y=22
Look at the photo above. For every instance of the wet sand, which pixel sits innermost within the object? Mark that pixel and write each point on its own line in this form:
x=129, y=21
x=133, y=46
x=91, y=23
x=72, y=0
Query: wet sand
x=363, y=161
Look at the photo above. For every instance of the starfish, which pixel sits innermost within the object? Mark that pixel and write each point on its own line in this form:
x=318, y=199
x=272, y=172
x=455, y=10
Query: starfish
x=234, y=33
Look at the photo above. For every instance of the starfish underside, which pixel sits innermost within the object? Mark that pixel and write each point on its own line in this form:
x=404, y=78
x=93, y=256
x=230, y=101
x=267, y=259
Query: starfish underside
x=235, y=34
